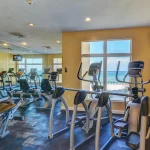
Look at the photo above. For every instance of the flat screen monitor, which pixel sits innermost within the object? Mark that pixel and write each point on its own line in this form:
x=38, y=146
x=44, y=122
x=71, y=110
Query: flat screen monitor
x=17, y=58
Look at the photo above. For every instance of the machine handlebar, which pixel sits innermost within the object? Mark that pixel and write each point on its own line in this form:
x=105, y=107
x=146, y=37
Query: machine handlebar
x=82, y=78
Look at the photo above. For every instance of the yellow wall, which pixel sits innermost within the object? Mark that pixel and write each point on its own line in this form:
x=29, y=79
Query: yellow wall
x=6, y=61
x=71, y=51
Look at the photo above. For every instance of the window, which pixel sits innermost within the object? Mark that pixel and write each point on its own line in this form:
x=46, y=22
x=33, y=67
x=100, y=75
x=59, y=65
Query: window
x=118, y=46
x=34, y=60
x=108, y=52
x=57, y=65
x=34, y=63
x=28, y=63
x=21, y=64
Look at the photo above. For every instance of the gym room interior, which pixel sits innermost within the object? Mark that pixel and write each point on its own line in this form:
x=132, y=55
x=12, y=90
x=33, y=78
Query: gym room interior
x=74, y=75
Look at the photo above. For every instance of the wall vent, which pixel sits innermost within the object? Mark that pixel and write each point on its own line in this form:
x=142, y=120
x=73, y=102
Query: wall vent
x=9, y=48
x=17, y=34
x=48, y=47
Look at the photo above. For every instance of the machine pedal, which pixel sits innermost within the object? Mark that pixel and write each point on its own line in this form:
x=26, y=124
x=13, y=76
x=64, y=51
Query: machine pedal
x=120, y=124
x=19, y=118
x=81, y=118
x=133, y=140
x=77, y=122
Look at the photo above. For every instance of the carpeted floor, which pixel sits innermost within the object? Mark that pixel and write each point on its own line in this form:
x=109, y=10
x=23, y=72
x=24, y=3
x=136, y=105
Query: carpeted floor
x=32, y=133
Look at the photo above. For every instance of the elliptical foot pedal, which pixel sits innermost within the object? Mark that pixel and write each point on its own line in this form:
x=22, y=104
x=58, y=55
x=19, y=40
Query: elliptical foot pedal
x=76, y=123
x=81, y=118
x=120, y=124
x=20, y=118
x=133, y=140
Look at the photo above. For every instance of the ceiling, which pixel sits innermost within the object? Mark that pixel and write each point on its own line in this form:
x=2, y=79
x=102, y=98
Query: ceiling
x=15, y=49
x=52, y=17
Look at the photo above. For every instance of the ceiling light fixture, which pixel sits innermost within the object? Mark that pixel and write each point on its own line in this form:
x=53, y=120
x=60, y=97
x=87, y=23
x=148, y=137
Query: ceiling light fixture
x=30, y=51
x=24, y=43
x=31, y=24
x=87, y=19
x=29, y=1
x=5, y=44
x=57, y=41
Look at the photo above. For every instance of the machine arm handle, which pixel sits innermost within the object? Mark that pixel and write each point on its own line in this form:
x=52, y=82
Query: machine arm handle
x=123, y=80
x=82, y=78
x=99, y=74
x=147, y=82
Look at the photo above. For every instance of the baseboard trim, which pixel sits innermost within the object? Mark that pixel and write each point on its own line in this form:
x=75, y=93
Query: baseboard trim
x=82, y=109
x=71, y=108
x=121, y=112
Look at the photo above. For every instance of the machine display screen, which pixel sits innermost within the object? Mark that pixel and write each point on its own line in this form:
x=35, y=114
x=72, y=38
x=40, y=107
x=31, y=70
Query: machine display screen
x=17, y=58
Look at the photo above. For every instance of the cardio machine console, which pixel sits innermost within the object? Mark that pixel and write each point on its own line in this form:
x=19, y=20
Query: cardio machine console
x=46, y=71
x=135, y=68
x=94, y=69
x=53, y=76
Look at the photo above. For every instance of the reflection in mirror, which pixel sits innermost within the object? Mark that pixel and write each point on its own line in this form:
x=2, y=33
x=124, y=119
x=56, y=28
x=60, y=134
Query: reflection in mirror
x=19, y=61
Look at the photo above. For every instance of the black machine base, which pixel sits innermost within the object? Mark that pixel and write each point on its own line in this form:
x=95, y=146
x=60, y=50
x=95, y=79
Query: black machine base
x=133, y=140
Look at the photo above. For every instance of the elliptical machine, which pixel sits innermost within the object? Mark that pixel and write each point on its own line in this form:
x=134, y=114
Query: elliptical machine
x=132, y=128
x=33, y=76
x=96, y=86
x=81, y=120
x=3, y=75
x=91, y=109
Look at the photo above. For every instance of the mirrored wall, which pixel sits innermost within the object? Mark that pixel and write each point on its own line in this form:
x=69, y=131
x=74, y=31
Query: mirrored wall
x=17, y=58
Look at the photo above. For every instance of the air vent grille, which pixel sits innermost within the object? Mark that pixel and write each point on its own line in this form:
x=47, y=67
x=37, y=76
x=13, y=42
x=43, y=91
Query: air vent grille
x=9, y=48
x=48, y=47
x=17, y=34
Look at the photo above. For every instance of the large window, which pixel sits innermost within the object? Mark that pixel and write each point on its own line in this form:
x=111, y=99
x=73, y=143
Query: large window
x=57, y=63
x=108, y=52
x=57, y=66
x=28, y=63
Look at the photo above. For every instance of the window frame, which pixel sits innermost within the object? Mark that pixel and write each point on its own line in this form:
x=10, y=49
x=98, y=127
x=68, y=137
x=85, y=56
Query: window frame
x=105, y=56
x=26, y=64
x=57, y=64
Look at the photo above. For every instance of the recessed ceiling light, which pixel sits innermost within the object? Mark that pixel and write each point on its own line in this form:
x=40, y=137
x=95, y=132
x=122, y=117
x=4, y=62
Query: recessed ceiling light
x=87, y=19
x=58, y=41
x=24, y=43
x=31, y=24
x=5, y=44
